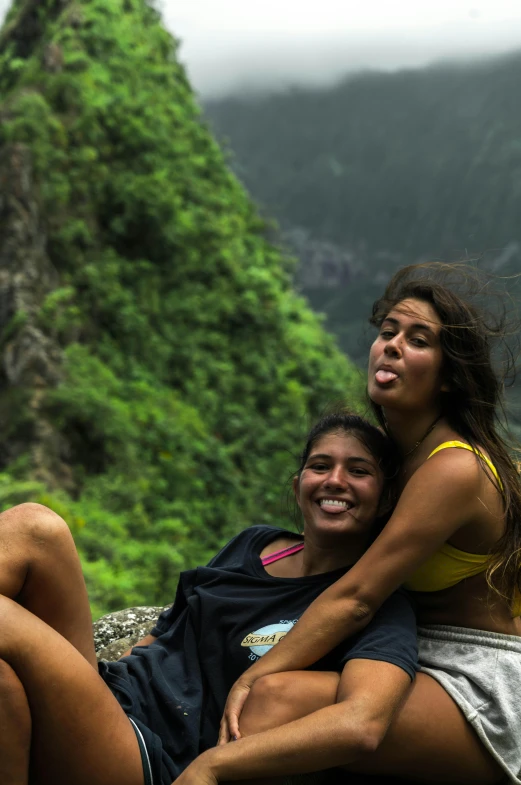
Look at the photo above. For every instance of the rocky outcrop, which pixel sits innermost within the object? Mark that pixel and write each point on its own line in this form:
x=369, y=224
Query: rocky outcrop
x=30, y=360
x=26, y=274
x=117, y=632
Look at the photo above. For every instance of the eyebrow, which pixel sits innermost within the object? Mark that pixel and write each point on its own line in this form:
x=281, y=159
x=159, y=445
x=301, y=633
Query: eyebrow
x=358, y=458
x=415, y=326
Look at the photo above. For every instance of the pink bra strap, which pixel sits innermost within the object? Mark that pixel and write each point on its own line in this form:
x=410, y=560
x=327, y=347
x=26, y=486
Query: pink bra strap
x=289, y=551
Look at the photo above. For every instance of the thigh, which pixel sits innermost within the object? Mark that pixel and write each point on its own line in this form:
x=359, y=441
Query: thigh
x=41, y=570
x=80, y=733
x=15, y=728
x=429, y=740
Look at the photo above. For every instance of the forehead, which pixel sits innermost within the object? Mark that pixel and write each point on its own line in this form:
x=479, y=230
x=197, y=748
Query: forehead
x=412, y=311
x=344, y=445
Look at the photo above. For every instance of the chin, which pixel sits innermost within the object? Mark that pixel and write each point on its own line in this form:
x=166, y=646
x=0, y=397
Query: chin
x=378, y=395
x=345, y=526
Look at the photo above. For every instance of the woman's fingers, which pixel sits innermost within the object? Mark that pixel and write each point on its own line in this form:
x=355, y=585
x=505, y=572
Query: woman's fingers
x=224, y=735
x=233, y=709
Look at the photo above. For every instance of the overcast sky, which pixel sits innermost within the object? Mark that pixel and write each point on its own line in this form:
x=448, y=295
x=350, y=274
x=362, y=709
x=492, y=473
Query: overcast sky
x=229, y=43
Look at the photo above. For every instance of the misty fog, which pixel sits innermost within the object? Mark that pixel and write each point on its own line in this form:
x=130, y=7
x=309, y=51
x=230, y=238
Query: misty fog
x=231, y=45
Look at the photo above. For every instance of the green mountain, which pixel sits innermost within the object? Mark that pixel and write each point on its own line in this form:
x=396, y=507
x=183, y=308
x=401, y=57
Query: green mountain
x=158, y=372
x=416, y=163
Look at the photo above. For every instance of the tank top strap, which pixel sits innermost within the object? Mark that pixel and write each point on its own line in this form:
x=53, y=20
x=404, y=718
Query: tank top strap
x=465, y=446
x=289, y=551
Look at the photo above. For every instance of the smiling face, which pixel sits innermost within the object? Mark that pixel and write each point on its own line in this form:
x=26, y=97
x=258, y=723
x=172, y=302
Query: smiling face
x=339, y=488
x=406, y=359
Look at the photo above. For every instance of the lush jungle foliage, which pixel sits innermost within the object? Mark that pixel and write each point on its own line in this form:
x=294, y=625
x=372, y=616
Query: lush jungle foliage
x=419, y=162
x=191, y=369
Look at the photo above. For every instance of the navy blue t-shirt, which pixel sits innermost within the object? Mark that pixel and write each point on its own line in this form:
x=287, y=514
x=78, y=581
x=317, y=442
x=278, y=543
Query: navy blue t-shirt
x=225, y=616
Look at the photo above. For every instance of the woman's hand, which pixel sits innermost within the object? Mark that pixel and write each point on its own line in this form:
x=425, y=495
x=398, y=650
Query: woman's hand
x=229, y=729
x=199, y=772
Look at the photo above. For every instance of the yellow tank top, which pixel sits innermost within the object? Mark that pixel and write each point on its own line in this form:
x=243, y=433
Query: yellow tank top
x=449, y=565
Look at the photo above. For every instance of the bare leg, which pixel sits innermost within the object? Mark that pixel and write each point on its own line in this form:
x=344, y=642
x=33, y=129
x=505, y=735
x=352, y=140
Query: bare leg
x=40, y=569
x=429, y=740
x=273, y=702
x=80, y=734
x=15, y=729
x=282, y=697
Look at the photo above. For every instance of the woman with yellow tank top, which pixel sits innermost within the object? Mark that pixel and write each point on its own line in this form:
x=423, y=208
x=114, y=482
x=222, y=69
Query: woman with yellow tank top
x=454, y=539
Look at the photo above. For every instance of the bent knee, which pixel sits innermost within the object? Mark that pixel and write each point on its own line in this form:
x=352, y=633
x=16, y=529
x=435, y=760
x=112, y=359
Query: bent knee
x=275, y=688
x=37, y=522
x=279, y=698
x=32, y=517
x=269, y=704
x=297, y=686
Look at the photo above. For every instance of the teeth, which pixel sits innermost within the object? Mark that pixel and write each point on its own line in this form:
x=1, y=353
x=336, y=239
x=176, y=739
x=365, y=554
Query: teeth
x=335, y=503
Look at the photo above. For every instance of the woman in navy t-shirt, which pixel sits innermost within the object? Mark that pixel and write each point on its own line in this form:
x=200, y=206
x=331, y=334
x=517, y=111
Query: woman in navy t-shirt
x=153, y=712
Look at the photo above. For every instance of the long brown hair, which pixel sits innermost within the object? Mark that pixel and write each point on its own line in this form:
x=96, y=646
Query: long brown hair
x=473, y=406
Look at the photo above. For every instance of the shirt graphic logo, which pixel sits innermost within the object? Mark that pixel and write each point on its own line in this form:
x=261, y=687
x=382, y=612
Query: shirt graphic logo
x=262, y=640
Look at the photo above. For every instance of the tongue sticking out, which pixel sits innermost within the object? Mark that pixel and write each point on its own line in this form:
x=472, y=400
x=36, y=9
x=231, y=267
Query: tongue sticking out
x=332, y=508
x=384, y=377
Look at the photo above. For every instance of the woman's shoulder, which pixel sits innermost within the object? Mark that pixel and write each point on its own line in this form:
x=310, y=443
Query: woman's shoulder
x=457, y=455
x=260, y=539
x=284, y=541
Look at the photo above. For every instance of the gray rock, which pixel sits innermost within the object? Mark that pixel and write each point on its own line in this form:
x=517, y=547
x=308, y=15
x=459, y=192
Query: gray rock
x=117, y=632
x=30, y=354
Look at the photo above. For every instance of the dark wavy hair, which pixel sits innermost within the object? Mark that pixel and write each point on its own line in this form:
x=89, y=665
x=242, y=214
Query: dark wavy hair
x=380, y=446
x=473, y=405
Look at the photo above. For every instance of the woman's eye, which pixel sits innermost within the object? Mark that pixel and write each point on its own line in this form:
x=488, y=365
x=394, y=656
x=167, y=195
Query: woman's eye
x=319, y=467
x=419, y=341
x=386, y=334
x=359, y=472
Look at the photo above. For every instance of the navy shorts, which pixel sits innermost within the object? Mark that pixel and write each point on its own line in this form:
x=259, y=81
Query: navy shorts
x=145, y=759
x=158, y=766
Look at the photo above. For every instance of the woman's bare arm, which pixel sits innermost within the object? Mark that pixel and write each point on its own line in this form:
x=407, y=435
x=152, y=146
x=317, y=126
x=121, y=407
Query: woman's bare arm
x=331, y=736
x=442, y=496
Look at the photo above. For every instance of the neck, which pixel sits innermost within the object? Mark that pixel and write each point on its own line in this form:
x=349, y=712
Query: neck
x=408, y=429
x=324, y=554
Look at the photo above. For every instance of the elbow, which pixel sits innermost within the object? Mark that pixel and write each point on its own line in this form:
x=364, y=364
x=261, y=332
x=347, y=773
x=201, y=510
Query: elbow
x=362, y=611
x=371, y=738
x=359, y=610
x=354, y=603
x=365, y=739
x=350, y=600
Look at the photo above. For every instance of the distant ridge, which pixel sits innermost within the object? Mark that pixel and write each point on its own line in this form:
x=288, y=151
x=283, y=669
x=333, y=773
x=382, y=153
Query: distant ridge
x=420, y=162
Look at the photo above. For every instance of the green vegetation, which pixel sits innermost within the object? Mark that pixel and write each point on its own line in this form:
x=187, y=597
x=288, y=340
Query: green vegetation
x=190, y=370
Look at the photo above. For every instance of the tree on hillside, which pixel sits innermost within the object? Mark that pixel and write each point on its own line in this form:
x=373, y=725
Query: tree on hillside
x=157, y=369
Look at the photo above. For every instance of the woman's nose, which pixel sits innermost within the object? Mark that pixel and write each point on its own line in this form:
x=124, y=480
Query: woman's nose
x=392, y=347
x=337, y=477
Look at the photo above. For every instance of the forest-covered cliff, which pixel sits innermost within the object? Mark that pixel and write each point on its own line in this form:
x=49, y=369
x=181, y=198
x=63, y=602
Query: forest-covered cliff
x=157, y=370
